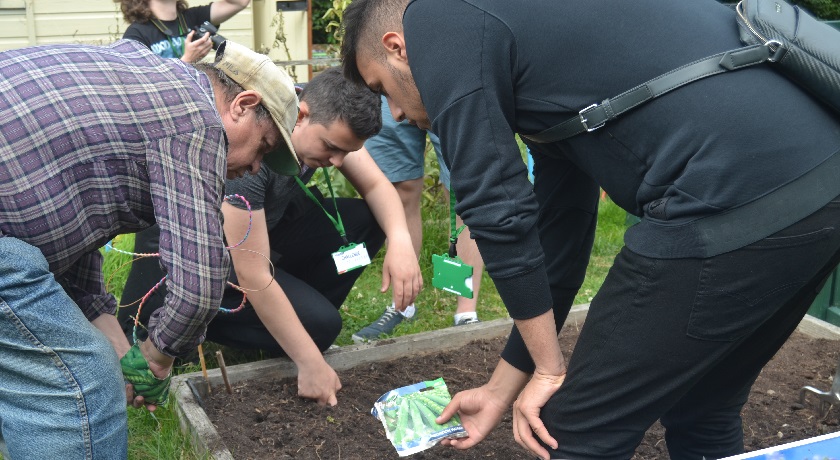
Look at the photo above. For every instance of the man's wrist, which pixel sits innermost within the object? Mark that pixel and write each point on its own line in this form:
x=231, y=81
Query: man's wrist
x=159, y=363
x=507, y=381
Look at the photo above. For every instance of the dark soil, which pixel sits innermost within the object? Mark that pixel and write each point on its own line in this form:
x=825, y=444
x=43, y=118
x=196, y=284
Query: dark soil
x=266, y=419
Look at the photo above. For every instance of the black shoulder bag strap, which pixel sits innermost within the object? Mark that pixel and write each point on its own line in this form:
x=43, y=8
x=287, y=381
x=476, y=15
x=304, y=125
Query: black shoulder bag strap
x=597, y=115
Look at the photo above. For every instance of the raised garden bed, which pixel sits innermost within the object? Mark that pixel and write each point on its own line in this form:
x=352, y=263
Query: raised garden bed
x=265, y=419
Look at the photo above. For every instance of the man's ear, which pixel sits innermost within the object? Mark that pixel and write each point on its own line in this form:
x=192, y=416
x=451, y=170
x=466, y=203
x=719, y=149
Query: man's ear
x=244, y=101
x=394, y=44
x=303, y=112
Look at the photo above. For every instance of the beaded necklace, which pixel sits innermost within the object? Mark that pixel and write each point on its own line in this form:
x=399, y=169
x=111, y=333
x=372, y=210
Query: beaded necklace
x=109, y=247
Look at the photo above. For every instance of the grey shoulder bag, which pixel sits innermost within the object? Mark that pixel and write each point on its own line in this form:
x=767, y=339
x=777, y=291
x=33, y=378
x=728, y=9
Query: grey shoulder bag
x=804, y=49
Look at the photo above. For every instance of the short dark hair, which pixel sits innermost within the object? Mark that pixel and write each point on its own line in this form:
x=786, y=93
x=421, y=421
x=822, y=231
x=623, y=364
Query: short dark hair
x=364, y=22
x=228, y=87
x=332, y=97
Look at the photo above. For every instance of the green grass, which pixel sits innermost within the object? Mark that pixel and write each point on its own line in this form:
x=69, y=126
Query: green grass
x=159, y=437
x=116, y=265
x=156, y=436
x=434, y=307
x=609, y=238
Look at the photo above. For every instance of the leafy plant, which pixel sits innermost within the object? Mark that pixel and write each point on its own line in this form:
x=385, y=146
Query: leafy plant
x=340, y=185
x=335, y=15
x=319, y=22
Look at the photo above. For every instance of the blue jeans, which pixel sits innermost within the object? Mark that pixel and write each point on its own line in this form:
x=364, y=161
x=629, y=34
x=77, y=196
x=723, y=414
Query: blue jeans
x=62, y=393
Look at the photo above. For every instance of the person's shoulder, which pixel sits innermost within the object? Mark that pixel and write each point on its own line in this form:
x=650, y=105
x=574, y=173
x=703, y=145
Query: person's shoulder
x=260, y=179
x=128, y=50
x=128, y=45
x=196, y=15
x=138, y=32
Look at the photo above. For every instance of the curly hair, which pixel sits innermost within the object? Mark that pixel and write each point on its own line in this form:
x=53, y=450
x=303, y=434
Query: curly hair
x=138, y=10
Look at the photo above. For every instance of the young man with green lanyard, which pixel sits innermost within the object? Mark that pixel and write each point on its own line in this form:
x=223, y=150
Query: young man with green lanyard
x=314, y=242
x=166, y=26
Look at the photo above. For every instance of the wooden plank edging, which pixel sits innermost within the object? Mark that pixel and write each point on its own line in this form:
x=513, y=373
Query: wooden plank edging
x=208, y=444
x=818, y=329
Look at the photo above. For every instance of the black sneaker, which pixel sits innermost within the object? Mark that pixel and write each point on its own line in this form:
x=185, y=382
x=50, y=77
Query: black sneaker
x=382, y=326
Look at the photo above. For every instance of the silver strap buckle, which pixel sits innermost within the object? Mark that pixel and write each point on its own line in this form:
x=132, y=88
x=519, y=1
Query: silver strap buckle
x=777, y=50
x=583, y=119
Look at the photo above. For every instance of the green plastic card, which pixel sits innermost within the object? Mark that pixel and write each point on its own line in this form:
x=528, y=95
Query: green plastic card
x=452, y=275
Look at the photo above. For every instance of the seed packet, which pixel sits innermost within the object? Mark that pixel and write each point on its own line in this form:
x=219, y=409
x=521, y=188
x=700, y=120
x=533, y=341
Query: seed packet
x=408, y=415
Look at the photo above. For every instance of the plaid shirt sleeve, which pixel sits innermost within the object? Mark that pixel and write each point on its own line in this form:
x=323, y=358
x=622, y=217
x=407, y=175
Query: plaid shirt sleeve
x=186, y=188
x=84, y=284
x=98, y=141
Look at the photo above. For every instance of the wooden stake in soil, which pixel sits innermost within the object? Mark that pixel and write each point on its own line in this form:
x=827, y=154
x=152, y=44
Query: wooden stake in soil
x=204, y=368
x=222, y=368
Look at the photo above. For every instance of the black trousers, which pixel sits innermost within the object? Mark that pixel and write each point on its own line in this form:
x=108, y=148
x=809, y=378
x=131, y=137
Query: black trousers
x=302, y=244
x=683, y=341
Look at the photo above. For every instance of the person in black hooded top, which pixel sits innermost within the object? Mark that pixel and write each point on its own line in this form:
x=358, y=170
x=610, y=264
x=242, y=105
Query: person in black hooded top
x=735, y=178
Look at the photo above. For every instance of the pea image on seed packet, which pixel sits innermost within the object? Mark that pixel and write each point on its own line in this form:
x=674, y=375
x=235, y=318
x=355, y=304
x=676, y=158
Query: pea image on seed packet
x=408, y=415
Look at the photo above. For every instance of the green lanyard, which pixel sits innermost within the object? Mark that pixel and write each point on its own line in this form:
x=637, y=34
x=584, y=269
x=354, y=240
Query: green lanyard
x=450, y=273
x=335, y=220
x=453, y=232
x=182, y=27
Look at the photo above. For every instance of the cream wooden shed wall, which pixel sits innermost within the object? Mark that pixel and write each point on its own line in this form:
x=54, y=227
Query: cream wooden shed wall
x=39, y=22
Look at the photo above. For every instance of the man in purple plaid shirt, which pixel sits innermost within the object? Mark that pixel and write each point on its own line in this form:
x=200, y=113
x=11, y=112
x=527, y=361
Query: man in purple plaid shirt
x=95, y=142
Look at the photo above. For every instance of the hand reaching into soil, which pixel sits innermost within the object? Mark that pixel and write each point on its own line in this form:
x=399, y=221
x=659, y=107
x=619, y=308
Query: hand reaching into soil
x=480, y=411
x=401, y=271
x=319, y=382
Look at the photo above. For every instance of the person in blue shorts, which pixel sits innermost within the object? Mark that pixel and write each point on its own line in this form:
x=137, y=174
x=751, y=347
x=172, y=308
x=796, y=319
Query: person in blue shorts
x=399, y=150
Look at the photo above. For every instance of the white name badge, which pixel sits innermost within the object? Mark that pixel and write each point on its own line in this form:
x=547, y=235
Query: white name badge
x=350, y=258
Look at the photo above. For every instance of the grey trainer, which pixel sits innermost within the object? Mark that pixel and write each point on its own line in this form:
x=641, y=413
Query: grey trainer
x=468, y=320
x=382, y=326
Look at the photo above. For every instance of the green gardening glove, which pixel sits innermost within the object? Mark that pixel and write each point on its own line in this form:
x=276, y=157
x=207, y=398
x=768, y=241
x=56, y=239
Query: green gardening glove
x=136, y=371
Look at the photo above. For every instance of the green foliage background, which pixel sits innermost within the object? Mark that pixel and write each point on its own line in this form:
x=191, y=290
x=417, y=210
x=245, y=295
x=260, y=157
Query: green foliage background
x=319, y=23
x=823, y=9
